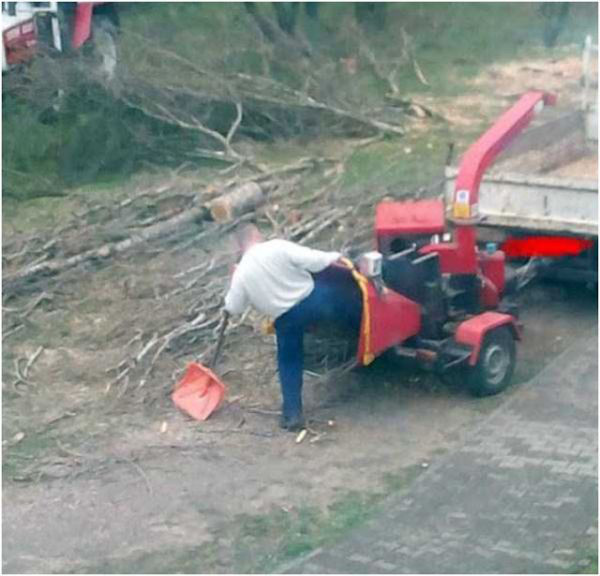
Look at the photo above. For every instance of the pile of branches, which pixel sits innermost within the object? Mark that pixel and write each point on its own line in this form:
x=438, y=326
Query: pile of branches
x=202, y=288
x=38, y=265
x=218, y=103
x=164, y=107
x=218, y=107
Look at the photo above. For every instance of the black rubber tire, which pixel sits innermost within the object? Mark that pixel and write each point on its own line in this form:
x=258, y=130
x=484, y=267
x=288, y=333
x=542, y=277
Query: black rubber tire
x=495, y=365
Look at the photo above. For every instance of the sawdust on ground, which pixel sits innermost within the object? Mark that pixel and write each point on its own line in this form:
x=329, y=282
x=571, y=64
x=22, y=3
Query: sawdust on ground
x=499, y=84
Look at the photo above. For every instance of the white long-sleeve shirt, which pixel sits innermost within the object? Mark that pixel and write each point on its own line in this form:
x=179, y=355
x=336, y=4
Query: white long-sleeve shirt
x=274, y=276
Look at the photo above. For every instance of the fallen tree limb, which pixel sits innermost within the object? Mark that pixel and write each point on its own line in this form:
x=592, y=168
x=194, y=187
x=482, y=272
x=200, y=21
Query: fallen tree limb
x=29, y=274
x=226, y=208
x=260, y=96
x=170, y=116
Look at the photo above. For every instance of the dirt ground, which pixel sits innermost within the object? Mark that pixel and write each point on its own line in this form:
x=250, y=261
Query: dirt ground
x=134, y=491
x=108, y=476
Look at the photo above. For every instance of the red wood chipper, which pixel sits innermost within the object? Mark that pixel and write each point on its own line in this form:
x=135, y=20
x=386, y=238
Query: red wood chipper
x=428, y=292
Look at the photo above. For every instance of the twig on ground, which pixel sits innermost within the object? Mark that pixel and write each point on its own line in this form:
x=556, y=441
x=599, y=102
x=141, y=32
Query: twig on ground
x=168, y=338
x=15, y=255
x=124, y=386
x=137, y=337
x=204, y=267
x=70, y=452
x=147, y=348
x=119, y=377
x=240, y=431
x=276, y=226
x=31, y=360
x=325, y=224
x=419, y=72
x=20, y=377
x=263, y=411
x=60, y=417
x=11, y=331
x=138, y=469
x=26, y=310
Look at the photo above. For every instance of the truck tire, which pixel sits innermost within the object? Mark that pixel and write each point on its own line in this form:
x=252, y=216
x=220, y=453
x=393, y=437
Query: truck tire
x=495, y=365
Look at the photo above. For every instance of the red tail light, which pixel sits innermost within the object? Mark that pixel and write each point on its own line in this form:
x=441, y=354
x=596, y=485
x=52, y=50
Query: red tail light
x=545, y=246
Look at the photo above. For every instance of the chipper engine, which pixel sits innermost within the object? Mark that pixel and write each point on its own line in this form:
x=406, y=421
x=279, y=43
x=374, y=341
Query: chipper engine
x=429, y=292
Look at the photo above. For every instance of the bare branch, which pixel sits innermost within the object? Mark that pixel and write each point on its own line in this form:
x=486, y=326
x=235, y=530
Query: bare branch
x=11, y=331
x=166, y=115
x=31, y=361
x=236, y=123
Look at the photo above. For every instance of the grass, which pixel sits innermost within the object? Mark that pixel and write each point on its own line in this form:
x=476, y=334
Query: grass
x=588, y=564
x=586, y=558
x=47, y=213
x=414, y=161
x=263, y=542
x=33, y=447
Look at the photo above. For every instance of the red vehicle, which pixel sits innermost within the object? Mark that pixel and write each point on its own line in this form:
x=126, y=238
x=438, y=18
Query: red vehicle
x=27, y=26
x=446, y=304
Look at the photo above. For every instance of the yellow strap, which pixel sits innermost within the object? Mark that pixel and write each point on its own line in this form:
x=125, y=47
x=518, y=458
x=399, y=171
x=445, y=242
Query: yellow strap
x=362, y=282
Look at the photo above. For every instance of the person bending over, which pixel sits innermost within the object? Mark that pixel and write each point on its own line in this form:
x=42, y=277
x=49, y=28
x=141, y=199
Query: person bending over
x=288, y=282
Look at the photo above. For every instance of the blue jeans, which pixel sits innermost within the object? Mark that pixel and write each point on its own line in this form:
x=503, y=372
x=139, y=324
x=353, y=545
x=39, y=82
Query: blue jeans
x=331, y=302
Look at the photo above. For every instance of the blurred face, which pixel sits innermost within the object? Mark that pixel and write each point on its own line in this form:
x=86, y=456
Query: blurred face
x=247, y=237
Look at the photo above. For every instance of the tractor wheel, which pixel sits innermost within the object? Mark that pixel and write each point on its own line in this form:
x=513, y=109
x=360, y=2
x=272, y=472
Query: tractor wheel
x=495, y=365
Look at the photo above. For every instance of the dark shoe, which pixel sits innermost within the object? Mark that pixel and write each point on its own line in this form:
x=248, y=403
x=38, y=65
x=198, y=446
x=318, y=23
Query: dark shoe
x=292, y=424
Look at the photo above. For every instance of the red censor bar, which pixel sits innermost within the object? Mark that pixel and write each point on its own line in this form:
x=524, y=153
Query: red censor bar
x=545, y=246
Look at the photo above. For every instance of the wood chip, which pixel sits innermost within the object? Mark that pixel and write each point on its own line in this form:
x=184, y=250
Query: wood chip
x=18, y=437
x=301, y=436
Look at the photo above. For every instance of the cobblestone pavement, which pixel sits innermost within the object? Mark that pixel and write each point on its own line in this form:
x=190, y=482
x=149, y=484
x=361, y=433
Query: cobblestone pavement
x=519, y=495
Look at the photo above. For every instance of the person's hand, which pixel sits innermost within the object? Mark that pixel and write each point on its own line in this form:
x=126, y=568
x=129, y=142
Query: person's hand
x=225, y=315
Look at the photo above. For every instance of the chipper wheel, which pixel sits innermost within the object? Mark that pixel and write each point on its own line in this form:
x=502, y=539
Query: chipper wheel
x=495, y=365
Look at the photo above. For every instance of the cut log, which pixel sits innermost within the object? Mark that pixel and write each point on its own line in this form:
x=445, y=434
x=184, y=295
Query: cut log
x=234, y=204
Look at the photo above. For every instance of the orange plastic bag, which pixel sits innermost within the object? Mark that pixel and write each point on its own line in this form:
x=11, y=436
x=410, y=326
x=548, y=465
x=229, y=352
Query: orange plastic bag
x=199, y=393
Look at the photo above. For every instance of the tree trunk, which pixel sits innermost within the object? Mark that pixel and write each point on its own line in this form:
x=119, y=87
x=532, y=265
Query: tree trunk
x=240, y=200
